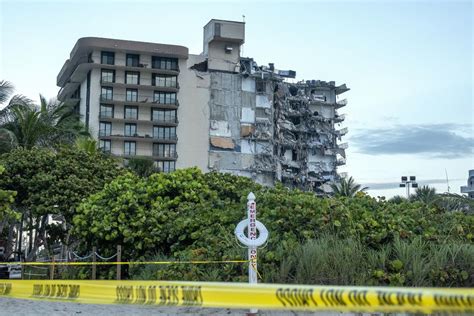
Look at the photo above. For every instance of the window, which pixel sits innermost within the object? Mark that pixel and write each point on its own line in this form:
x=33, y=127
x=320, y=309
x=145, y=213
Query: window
x=107, y=75
x=105, y=128
x=164, y=63
x=260, y=85
x=163, y=115
x=108, y=58
x=164, y=150
x=131, y=112
x=166, y=166
x=132, y=77
x=164, y=97
x=106, y=111
x=130, y=148
x=164, y=132
x=105, y=145
x=132, y=60
x=106, y=93
x=132, y=95
x=130, y=129
x=164, y=80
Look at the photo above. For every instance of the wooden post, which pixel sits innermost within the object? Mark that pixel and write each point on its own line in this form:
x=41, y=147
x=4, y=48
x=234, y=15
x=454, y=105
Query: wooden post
x=119, y=259
x=94, y=259
x=52, y=269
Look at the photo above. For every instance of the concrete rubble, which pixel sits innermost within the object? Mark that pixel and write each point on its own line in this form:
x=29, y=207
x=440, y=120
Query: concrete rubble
x=265, y=127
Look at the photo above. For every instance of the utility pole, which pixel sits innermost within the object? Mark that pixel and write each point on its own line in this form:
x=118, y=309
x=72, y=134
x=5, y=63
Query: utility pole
x=405, y=183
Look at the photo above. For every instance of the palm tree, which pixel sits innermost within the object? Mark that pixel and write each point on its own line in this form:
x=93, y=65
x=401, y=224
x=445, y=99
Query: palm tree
x=47, y=125
x=347, y=187
x=87, y=144
x=8, y=100
x=425, y=194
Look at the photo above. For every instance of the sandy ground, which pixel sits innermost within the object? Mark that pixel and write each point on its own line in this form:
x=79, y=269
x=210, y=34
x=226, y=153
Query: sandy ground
x=18, y=307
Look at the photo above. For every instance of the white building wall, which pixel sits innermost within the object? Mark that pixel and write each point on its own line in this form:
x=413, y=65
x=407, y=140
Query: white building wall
x=193, y=115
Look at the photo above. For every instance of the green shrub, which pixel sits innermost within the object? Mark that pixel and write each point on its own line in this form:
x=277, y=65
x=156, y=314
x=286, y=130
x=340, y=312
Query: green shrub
x=188, y=215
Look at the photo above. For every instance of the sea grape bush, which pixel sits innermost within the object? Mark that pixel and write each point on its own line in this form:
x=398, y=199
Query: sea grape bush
x=189, y=215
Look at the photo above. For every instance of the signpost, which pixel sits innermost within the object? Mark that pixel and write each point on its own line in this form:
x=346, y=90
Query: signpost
x=252, y=241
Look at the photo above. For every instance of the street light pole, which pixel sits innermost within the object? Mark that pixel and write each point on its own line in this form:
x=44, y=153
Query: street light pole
x=405, y=183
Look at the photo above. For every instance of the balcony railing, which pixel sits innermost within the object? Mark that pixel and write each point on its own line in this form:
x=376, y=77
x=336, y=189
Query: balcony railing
x=340, y=162
x=339, y=118
x=341, y=103
x=104, y=132
x=342, y=131
x=165, y=121
x=146, y=137
x=159, y=137
x=165, y=155
x=119, y=97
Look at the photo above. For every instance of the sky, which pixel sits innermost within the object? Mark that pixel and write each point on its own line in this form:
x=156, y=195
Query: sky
x=408, y=64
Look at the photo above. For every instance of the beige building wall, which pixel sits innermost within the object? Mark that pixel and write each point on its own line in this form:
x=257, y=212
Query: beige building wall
x=193, y=115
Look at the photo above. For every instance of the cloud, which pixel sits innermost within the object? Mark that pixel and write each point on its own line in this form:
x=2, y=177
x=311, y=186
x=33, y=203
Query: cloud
x=436, y=140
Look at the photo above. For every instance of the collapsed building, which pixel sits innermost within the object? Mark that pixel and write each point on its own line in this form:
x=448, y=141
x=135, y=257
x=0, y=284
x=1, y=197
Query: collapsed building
x=266, y=128
x=217, y=110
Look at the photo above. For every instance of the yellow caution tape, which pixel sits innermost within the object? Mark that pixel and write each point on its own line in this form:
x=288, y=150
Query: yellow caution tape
x=84, y=263
x=245, y=296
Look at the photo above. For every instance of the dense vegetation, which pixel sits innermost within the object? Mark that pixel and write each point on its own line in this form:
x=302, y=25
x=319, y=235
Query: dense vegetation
x=50, y=182
x=188, y=215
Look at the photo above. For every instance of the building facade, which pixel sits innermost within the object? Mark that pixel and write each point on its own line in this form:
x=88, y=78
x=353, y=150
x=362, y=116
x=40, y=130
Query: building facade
x=216, y=110
x=469, y=188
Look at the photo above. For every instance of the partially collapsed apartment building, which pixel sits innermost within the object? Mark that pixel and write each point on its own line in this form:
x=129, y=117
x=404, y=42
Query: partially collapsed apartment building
x=216, y=110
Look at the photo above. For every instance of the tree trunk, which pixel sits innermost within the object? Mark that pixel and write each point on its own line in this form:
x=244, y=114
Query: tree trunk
x=10, y=241
x=41, y=237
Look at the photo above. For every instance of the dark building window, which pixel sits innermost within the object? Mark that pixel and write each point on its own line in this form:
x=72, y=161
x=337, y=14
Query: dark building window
x=166, y=166
x=77, y=93
x=130, y=148
x=105, y=128
x=133, y=60
x=131, y=112
x=105, y=145
x=164, y=80
x=260, y=85
x=164, y=150
x=107, y=75
x=132, y=77
x=164, y=97
x=164, y=63
x=108, y=58
x=164, y=132
x=106, y=111
x=132, y=95
x=163, y=115
x=130, y=129
x=106, y=93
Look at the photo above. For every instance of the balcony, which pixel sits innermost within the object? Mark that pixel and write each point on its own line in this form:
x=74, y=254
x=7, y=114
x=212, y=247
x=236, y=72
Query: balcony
x=340, y=162
x=165, y=156
x=339, y=118
x=110, y=118
x=343, y=146
x=140, y=138
x=341, y=103
x=167, y=88
x=121, y=99
x=69, y=69
x=342, y=131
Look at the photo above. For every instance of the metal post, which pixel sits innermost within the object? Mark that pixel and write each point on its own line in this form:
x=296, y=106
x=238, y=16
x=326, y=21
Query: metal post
x=94, y=259
x=52, y=269
x=252, y=234
x=119, y=259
